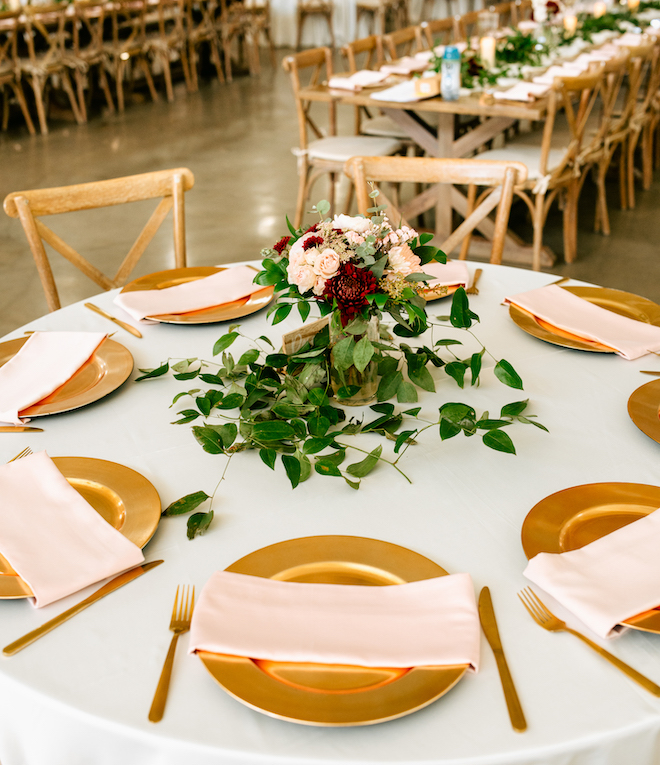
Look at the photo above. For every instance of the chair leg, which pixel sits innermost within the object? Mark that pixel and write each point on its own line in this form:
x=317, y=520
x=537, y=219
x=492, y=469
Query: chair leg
x=119, y=85
x=80, y=87
x=20, y=97
x=5, y=110
x=38, y=89
x=623, y=176
x=537, y=221
x=217, y=62
x=167, y=74
x=301, y=19
x=192, y=58
x=186, y=68
x=68, y=89
x=302, y=196
x=570, y=221
x=630, y=169
x=647, y=157
x=103, y=79
x=602, y=213
x=471, y=198
x=150, y=80
x=328, y=18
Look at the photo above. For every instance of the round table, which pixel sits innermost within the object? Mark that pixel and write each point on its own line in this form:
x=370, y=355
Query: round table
x=82, y=693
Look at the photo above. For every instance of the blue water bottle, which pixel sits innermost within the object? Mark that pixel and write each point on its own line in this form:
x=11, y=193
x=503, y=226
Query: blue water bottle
x=451, y=73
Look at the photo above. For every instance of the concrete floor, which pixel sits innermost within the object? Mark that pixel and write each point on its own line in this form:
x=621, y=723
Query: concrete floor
x=236, y=139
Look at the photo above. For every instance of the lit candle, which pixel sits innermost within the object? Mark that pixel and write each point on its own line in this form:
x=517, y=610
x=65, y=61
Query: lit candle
x=487, y=51
x=633, y=5
x=600, y=9
x=570, y=23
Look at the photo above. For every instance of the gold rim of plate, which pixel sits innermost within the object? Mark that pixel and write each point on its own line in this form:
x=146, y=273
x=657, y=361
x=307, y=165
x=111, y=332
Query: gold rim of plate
x=122, y=496
x=333, y=695
x=624, y=303
x=162, y=279
x=571, y=518
x=109, y=367
x=644, y=409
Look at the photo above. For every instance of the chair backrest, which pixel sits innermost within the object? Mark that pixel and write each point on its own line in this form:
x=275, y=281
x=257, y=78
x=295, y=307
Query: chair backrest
x=315, y=66
x=616, y=72
x=500, y=178
x=438, y=31
x=505, y=11
x=29, y=206
x=644, y=80
x=8, y=40
x=128, y=22
x=366, y=53
x=45, y=32
x=521, y=10
x=171, y=21
x=577, y=97
x=88, y=31
x=467, y=25
x=403, y=42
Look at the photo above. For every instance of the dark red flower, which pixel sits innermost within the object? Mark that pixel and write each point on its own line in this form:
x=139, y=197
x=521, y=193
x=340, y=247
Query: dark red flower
x=312, y=242
x=315, y=227
x=279, y=247
x=350, y=288
x=552, y=7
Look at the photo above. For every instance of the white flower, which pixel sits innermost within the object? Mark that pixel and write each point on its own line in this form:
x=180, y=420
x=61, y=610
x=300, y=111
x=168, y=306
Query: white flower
x=319, y=286
x=352, y=237
x=402, y=260
x=297, y=253
x=349, y=223
x=327, y=264
x=302, y=276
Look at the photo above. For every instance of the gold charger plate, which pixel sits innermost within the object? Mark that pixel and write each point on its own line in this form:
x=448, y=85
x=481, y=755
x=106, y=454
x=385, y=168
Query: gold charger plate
x=122, y=496
x=617, y=301
x=333, y=695
x=234, y=310
x=436, y=294
x=570, y=519
x=644, y=409
x=109, y=367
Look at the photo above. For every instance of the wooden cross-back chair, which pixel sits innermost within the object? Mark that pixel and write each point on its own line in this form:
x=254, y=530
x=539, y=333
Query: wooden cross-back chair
x=466, y=26
x=643, y=118
x=553, y=157
x=46, y=33
x=521, y=10
x=30, y=206
x=499, y=178
x=306, y=9
x=379, y=12
x=403, y=42
x=438, y=31
x=88, y=50
x=505, y=12
x=201, y=32
x=324, y=153
x=9, y=26
x=167, y=42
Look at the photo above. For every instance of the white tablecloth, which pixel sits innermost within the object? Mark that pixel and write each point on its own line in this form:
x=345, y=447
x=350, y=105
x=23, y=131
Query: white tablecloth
x=81, y=694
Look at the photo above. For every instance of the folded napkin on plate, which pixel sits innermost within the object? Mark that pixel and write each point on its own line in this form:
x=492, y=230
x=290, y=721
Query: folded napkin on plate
x=629, y=338
x=51, y=536
x=223, y=287
x=362, y=79
x=403, y=93
x=606, y=581
x=454, y=272
x=44, y=363
x=405, y=65
x=630, y=39
x=523, y=91
x=548, y=77
x=428, y=623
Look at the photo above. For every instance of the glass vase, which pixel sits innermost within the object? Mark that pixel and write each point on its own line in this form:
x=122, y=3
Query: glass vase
x=367, y=379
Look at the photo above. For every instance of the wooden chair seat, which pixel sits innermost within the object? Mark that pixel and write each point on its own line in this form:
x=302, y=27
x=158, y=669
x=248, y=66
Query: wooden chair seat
x=30, y=206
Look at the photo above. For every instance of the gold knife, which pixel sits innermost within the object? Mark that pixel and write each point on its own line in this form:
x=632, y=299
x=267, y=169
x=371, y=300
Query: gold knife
x=489, y=626
x=20, y=429
x=119, y=322
x=111, y=586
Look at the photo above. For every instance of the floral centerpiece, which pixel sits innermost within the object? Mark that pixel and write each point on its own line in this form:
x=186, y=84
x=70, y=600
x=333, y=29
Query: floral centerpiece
x=286, y=404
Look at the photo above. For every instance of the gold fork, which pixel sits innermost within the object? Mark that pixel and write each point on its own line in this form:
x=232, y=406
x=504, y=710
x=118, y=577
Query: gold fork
x=472, y=289
x=550, y=622
x=180, y=623
x=25, y=453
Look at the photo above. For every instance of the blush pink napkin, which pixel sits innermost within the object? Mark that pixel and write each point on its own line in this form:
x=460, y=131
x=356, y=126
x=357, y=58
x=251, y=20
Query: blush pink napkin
x=447, y=274
x=405, y=65
x=522, y=91
x=428, y=623
x=52, y=537
x=362, y=79
x=224, y=287
x=629, y=338
x=606, y=581
x=43, y=364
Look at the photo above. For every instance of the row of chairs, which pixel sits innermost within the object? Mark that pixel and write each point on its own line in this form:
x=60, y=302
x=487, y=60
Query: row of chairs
x=170, y=186
x=94, y=41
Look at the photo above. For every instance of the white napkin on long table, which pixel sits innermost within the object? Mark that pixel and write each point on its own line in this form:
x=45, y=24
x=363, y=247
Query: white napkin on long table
x=609, y=580
x=51, y=536
x=627, y=337
x=225, y=286
x=433, y=622
x=365, y=78
x=45, y=362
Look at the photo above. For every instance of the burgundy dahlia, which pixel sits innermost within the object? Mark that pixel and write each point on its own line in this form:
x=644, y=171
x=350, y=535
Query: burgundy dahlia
x=279, y=247
x=313, y=241
x=350, y=288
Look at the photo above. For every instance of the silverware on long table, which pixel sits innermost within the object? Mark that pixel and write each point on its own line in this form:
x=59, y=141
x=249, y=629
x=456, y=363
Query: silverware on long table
x=489, y=626
x=472, y=288
x=111, y=586
x=118, y=322
x=546, y=619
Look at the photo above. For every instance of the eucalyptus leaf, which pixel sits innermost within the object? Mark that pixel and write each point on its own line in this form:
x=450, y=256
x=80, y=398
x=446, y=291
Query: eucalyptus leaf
x=500, y=441
x=342, y=353
x=209, y=439
x=273, y=430
x=249, y=357
x=388, y=386
x=293, y=469
x=187, y=415
x=514, y=409
x=363, y=354
x=268, y=457
x=402, y=438
x=365, y=466
x=323, y=467
x=224, y=342
x=198, y=524
x=186, y=504
x=506, y=374
x=157, y=372
x=456, y=370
